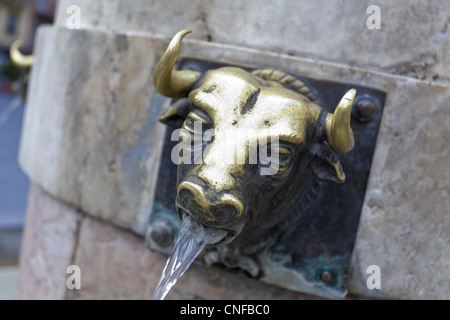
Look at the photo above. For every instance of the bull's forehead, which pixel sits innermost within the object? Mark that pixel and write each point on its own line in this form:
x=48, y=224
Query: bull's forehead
x=235, y=100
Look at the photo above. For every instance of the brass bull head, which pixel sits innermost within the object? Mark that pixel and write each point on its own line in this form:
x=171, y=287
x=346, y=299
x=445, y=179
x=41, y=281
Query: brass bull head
x=257, y=106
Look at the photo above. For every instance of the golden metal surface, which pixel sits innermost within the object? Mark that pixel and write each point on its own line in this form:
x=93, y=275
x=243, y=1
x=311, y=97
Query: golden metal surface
x=339, y=132
x=236, y=83
x=173, y=84
x=245, y=109
x=23, y=61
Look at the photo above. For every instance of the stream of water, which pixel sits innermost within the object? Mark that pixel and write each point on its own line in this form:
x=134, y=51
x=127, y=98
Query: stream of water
x=191, y=239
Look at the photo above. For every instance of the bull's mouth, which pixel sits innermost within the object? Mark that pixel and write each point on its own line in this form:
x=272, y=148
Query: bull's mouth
x=220, y=236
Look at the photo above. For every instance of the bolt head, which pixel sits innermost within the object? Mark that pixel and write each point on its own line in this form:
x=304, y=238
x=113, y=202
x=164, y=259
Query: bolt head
x=365, y=107
x=327, y=275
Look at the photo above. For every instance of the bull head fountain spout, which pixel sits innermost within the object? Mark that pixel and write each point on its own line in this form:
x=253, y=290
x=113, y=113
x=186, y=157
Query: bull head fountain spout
x=231, y=111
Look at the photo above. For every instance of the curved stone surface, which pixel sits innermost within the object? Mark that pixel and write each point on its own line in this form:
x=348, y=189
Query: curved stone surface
x=413, y=38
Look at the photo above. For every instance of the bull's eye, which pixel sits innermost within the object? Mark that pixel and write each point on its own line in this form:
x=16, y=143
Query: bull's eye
x=195, y=123
x=278, y=162
x=285, y=158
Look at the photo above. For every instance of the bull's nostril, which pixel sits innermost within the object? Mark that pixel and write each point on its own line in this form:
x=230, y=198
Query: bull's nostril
x=189, y=192
x=216, y=210
x=225, y=213
x=184, y=196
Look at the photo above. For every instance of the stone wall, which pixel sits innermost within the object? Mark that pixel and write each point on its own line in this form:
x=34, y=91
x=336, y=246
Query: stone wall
x=92, y=145
x=413, y=39
x=114, y=263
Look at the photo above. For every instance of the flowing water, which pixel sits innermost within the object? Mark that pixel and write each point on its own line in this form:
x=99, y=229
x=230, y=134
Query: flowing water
x=191, y=239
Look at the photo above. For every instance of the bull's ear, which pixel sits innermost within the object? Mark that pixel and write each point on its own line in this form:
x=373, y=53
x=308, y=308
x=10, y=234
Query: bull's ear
x=176, y=114
x=325, y=165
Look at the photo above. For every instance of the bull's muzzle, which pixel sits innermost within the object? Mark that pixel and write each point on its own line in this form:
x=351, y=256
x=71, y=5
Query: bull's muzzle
x=215, y=209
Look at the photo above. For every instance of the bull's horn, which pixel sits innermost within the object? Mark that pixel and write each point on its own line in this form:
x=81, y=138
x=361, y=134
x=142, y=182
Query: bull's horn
x=173, y=84
x=17, y=57
x=339, y=132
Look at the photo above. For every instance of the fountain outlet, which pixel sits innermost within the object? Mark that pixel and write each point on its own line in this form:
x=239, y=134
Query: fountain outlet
x=255, y=147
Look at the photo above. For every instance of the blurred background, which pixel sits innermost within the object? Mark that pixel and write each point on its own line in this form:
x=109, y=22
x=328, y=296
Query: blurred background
x=19, y=19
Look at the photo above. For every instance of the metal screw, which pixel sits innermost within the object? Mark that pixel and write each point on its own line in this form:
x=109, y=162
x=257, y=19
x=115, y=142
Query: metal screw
x=161, y=233
x=365, y=108
x=326, y=276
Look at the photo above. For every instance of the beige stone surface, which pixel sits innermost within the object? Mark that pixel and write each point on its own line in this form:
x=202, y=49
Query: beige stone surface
x=90, y=134
x=84, y=117
x=49, y=239
x=413, y=39
x=405, y=227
